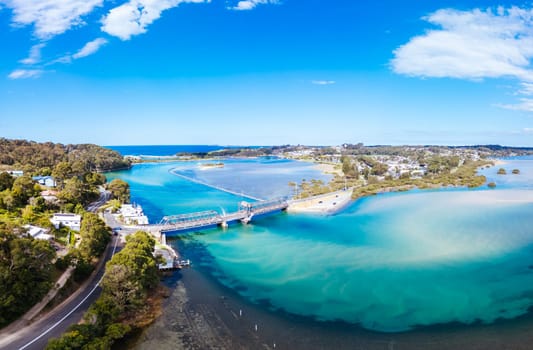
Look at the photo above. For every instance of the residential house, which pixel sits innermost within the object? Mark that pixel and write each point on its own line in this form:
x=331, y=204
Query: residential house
x=133, y=215
x=15, y=173
x=73, y=221
x=49, y=196
x=47, y=181
x=39, y=232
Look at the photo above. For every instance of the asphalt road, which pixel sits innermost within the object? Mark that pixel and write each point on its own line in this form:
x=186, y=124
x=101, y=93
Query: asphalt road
x=104, y=197
x=36, y=335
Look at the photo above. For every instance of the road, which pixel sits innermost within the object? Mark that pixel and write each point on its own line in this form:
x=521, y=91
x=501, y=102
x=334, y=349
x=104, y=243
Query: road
x=36, y=335
x=104, y=197
x=51, y=325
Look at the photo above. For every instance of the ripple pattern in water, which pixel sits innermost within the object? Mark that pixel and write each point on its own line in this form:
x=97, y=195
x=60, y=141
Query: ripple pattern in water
x=390, y=263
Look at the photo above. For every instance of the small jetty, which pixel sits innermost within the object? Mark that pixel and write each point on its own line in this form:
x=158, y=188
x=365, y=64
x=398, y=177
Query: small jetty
x=171, y=259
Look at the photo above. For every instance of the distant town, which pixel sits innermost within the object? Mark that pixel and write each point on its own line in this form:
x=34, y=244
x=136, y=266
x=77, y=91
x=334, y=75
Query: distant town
x=55, y=202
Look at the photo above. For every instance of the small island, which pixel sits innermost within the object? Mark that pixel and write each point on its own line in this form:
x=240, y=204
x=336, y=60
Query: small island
x=516, y=171
x=502, y=171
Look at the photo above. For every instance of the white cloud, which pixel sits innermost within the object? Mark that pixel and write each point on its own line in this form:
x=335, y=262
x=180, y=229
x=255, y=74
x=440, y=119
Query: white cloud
x=25, y=73
x=473, y=44
x=323, y=82
x=527, y=89
x=250, y=4
x=35, y=55
x=525, y=105
x=90, y=48
x=528, y=131
x=50, y=17
x=133, y=17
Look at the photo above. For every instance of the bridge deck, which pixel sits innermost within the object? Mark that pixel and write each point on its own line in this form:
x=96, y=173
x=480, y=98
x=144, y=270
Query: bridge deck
x=199, y=220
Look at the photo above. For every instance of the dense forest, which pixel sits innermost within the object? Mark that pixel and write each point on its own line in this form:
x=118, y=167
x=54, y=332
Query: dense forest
x=29, y=266
x=41, y=158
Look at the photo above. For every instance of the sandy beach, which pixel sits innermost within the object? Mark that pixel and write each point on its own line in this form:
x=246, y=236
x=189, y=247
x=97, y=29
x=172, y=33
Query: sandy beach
x=328, y=168
x=323, y=204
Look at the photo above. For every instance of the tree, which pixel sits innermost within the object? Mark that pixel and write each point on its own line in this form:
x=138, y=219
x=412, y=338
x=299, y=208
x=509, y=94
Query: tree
x=73, y=191
x=95, y=236
x=6, y=181
x=379, y=169
x=62, y=171
x=23, y=189
x=25, y=273
x=120, y=190
x=348, y=167
x=128, y=277
x=122, y=286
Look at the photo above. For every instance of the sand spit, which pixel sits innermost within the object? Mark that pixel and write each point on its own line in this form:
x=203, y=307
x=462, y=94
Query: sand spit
x=323, y=204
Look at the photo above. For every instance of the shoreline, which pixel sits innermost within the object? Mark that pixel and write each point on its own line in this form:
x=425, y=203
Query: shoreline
x=328, y=203
x=203, y=314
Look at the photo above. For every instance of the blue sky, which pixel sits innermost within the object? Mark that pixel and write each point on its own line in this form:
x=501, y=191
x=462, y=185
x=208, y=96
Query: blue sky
x=264, y=72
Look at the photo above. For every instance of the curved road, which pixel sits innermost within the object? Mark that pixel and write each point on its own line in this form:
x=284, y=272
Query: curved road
x=35, y=336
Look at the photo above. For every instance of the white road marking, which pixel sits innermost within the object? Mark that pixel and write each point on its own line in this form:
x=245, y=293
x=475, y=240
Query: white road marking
x=71, y=311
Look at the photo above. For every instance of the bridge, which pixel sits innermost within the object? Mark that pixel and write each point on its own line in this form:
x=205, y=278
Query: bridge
x=212, y=218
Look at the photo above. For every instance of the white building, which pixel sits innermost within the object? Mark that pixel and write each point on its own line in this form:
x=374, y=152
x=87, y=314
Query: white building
x=133, y=215
x=73, y=221
x=15, y=173
x=47, y=181
x=38, y=232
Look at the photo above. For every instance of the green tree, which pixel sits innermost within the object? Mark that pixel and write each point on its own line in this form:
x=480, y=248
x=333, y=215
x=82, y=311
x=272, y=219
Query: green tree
x=120, y=190
x=379, y=169
x=348, y=167
x=6, y=181
x=62, y=171
x=23, y=189
x=73, y=191
x=25, y=273
x=94, y=234
x=128, y=277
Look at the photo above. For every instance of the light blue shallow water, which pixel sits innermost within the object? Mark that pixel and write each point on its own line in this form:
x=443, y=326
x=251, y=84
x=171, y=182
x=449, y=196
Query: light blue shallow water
x=390, y=262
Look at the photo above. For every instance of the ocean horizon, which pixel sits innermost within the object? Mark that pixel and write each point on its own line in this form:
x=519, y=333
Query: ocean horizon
x=169, y=150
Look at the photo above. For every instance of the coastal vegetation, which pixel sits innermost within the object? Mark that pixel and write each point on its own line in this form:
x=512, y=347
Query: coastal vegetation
x=26, y=272
x=28, y=266
x=42, y=158
x=131, y=277
x=120, y=190
x=375, y=176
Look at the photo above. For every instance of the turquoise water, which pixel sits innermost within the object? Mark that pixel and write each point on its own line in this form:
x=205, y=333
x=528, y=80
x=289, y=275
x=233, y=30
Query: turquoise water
x=163, y=150
x=389, y=263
